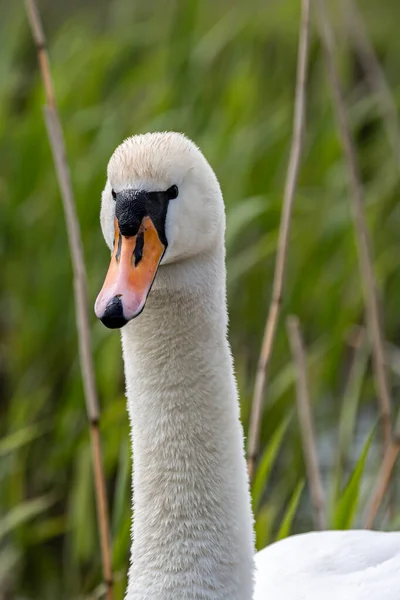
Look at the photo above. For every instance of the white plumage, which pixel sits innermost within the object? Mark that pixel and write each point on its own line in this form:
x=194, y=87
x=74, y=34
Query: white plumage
x=193, y=527
x=333, y=565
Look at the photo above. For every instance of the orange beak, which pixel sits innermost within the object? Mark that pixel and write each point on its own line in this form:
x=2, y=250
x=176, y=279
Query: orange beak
x=134, y=264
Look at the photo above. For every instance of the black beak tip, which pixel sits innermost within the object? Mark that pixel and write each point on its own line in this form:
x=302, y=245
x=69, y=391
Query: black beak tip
x=113, y=317
x=113, y=322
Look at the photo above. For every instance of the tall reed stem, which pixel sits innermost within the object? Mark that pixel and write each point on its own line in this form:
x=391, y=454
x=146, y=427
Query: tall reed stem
x=57, y=144
x=363, y=241
x=306, y=423
x=284, y=231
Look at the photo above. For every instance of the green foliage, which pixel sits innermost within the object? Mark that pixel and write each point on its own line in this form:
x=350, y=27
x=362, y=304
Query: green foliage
x=222, y=72
x=16, y=440
x=348, y=415
x=287, y=520
x=22, y=513
x=262, y=475
x=346, y=506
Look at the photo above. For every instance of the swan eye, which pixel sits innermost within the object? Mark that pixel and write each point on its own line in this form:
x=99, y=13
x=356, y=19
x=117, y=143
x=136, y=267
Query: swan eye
x=172, y=192
x=114, y=194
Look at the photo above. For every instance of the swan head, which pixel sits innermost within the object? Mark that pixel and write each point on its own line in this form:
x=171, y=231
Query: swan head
x=162, y=204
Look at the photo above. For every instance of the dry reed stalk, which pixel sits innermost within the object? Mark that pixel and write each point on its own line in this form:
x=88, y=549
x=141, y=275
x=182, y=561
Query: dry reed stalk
x=284, y=230
x=306, y=422
x=360, y=227
x=392, y=354
x=386, y=469
x=383, y=482
x=391, y=454
x=57, y=145
x=375, y=75
x=388, y=109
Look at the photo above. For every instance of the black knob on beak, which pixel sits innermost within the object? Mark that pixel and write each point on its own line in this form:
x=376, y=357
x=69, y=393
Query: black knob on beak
x=130, y=208
x=113, y=317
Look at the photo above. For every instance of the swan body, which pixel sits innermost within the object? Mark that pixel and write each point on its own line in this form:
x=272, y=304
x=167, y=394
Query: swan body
x=333, y=565
x=163, y=218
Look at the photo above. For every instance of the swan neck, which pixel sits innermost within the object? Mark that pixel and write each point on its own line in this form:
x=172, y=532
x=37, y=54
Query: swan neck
x=192, y=527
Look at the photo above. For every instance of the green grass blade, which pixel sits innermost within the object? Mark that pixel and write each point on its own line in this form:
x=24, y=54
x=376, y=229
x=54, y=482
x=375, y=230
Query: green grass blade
x=122, y=496
x=267, y=462
x=24, y=512
x=346, y=508
x=287, y=520
x=241, y=215
x=264, y=525
x=121, y=524
x=348, y=414
x=20, y=438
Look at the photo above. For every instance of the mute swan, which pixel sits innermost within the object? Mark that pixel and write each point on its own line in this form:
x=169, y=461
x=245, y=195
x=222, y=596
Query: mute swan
x=193, y=526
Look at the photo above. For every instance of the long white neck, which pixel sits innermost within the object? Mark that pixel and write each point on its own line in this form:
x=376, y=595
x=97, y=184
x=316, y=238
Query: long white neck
x=192, y=527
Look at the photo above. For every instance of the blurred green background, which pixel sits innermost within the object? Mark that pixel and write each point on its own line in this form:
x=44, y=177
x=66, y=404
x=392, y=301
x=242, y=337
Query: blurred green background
x=223, y=72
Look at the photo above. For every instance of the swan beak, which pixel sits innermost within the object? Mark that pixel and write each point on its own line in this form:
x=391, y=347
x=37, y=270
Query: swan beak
x=134, y=264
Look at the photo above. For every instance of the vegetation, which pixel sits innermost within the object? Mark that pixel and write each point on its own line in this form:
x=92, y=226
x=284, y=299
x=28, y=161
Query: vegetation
x=223, y=73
